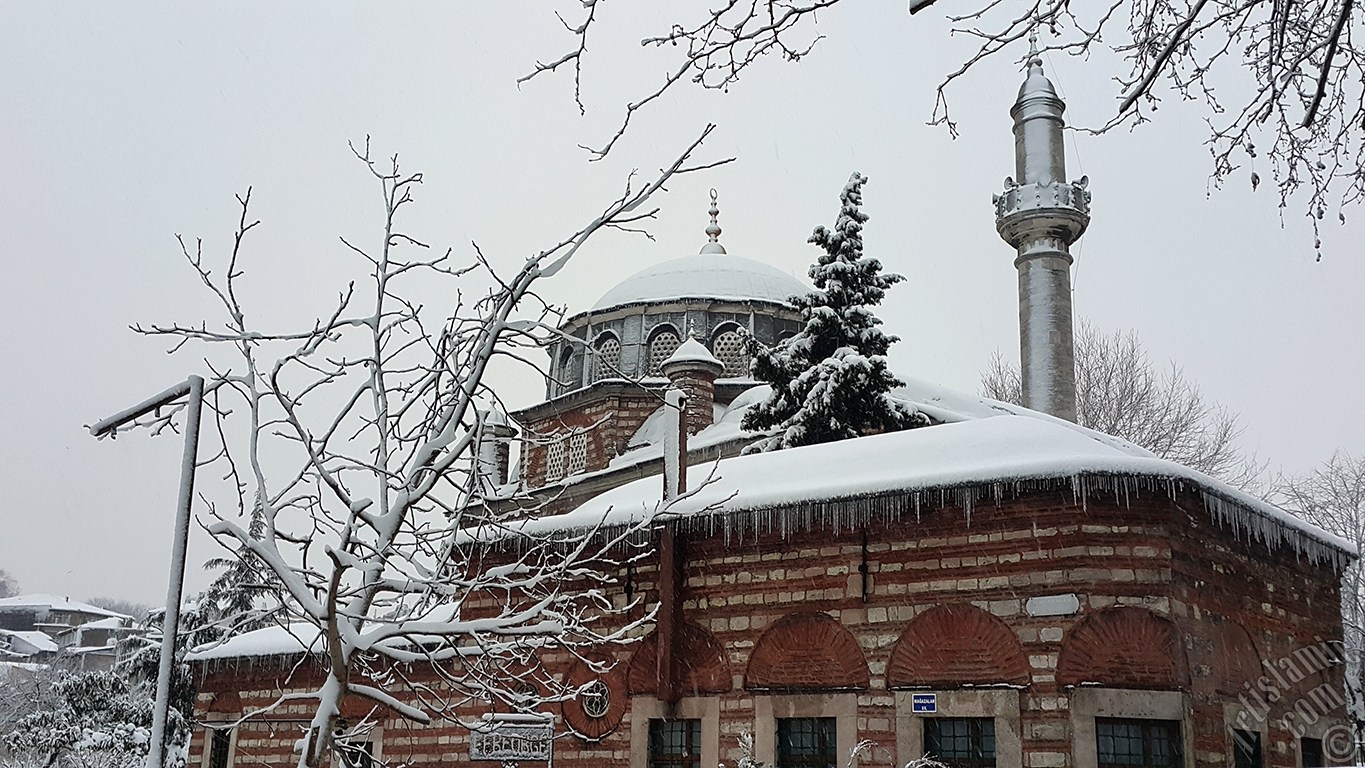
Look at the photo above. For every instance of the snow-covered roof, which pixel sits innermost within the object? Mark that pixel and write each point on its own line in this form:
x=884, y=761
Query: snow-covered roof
x=38, y=640
x=704, y=276
x=56, y=603
x=691, y=351
x=982, y=444
x=268, y=641
x=113, y=622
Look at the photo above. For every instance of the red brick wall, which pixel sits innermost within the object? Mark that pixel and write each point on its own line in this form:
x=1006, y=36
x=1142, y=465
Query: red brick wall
x=1218, y=594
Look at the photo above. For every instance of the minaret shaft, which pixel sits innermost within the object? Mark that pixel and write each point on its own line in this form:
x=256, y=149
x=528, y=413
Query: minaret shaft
x=1041, y=215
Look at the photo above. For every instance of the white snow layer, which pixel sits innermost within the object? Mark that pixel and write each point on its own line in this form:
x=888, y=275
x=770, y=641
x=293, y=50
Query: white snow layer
x=985, y=451
x=268, y=641
x=56, y=603
x=704, y=276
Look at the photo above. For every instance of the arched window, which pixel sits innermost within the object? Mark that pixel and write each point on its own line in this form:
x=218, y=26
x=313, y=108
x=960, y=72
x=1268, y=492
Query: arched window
x=729, y=347
x=662, y=345
x=606, y=361
x=565, y=378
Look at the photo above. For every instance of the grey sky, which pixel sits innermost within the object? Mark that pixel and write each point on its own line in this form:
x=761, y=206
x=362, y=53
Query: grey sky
x=125, y=125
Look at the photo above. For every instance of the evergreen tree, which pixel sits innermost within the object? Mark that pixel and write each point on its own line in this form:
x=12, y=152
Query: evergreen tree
x=830, y=381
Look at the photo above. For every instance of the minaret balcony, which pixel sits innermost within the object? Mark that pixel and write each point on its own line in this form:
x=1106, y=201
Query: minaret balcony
x=1053, y=209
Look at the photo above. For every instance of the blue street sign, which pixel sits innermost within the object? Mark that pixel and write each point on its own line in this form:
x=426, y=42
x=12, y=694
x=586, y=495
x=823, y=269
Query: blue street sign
x=924, y=702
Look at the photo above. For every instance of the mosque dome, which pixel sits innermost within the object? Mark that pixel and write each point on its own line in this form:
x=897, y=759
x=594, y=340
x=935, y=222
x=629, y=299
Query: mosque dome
x=711, y=300
x=704, y=276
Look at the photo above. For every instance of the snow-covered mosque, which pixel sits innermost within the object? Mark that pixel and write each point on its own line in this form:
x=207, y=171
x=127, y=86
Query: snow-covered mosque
x=1000, y=588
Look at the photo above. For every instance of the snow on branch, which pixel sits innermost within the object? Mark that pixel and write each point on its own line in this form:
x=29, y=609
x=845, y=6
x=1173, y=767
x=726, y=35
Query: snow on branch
x=350, y=448
x=1289, y=76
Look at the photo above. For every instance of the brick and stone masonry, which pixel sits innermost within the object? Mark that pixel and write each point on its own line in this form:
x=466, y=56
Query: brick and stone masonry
x=1167, y=606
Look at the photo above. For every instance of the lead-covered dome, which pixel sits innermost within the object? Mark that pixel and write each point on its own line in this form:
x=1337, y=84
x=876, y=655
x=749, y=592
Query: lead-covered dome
x=704, y=276
x=718, y=301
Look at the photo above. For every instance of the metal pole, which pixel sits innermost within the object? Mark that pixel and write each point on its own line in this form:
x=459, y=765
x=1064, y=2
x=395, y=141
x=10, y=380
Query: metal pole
x=171, y=622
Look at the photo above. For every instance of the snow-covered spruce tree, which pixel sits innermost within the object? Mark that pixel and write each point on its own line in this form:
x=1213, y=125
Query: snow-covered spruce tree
x=355, y=440
x=831, y=381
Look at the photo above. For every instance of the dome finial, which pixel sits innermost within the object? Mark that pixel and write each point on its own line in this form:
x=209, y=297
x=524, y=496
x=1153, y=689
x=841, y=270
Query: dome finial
x=713, y=231
x=1034, y=58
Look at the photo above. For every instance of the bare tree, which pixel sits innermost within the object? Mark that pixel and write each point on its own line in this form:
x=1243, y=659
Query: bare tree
x=1332, y=496
x=138, y=611
x=355, y=475
x=1304, y=112
x=1120, y=391
x=9, y=586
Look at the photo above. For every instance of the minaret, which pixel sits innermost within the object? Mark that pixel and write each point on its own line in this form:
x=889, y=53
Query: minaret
x=1041, y=216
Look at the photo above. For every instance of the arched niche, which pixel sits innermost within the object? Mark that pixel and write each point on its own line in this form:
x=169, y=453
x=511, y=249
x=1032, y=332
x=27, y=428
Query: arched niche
x=1237, y=660
x=1125, y=647
x=804, y=652
x=700, y=664
x=601, y=703
x=950, y=646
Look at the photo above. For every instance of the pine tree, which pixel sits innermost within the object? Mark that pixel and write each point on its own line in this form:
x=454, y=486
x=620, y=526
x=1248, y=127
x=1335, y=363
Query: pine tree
x=831, y=381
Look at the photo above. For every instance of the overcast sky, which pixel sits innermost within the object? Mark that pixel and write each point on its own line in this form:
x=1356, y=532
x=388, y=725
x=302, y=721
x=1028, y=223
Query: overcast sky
x=126, y=124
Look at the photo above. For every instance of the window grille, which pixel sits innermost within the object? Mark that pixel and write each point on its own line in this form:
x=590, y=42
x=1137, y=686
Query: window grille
x=1311, y=749
x=219, y=748
x=1246, y=749
x=1137, y=743
x=556, y=454
x=730, y=349
x=674, y=743
x=578, y=452
x=606, y=362
x=357, y=754
x=961, y=742
x=807, y=742
x=662, y=347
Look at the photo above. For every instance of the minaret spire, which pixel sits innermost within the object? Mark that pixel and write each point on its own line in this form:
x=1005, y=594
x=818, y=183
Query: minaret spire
x=1041, y=215
x=713, y=231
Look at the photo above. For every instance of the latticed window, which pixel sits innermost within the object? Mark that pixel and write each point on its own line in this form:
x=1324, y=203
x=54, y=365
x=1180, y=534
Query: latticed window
x=662, y=347
x=556, y=455
x=807, y=742
x=566, y=455
x=674, y=743
x=606, y=362
x=1137, y=743
x=578, y=452
x=730, y=349
x=961, y=742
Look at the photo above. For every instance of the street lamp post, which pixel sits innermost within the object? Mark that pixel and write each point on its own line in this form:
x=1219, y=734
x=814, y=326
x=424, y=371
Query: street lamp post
x=193, y=391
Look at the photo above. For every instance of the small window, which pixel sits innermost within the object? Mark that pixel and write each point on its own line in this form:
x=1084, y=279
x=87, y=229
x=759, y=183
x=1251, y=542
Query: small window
x=674, y=743
x=1311, y=749
x=807, y=742
x=220, y=745
x=729, y=348
x=1137, y=743
x=578, y=452
x=606, y=361
x=961, y=742
x=356, y=754
x=566, y=454
x=565, y=375
x=661, y=347
x=556, y=455
x=1246, y=749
